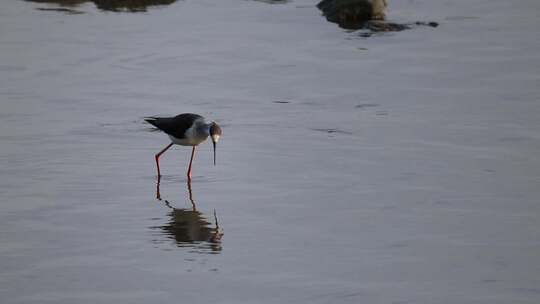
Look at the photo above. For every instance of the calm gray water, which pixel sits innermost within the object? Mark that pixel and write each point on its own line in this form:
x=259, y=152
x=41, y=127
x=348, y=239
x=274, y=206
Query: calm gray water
x=401, y=168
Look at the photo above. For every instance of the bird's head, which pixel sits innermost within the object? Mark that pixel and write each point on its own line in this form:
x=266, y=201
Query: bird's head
x=215, y=134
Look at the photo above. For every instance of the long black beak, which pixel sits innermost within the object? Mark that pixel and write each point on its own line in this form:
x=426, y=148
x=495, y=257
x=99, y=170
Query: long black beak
x=214, y=143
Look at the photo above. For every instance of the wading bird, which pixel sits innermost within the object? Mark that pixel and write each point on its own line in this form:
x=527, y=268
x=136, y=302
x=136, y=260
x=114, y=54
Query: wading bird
x=186, y=130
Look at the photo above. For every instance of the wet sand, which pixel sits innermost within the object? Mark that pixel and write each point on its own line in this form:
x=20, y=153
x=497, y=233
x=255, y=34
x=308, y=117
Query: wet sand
x=400, y=168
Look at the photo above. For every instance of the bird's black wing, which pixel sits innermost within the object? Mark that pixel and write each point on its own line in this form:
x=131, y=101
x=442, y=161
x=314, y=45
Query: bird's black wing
x=175, y=126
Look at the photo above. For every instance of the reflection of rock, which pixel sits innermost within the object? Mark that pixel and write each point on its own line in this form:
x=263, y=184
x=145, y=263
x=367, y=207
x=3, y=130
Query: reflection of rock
x=112, y=5
x=60, y=9
x=381, y=26
x=352, y=14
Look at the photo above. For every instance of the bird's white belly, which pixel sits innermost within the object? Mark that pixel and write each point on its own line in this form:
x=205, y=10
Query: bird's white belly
x=193, y=141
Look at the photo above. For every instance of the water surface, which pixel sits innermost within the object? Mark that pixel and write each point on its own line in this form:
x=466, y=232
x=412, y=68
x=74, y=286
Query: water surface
x=400, y=168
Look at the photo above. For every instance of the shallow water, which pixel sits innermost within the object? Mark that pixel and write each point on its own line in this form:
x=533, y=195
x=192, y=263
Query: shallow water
x=400, y=168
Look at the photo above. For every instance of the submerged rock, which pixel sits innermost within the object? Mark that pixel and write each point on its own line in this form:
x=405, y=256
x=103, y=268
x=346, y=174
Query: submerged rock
x=381, y=26
x=373, y=27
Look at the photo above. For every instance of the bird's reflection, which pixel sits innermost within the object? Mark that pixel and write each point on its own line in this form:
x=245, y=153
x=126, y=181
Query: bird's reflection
x=111, y=5
x=189, y=227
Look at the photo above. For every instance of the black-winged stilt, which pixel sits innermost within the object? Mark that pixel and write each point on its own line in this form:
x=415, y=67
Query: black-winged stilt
x=186, y=129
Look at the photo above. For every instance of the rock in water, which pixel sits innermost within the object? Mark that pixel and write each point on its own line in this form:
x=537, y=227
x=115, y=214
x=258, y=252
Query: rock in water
x=378, y=9
x=352, y=14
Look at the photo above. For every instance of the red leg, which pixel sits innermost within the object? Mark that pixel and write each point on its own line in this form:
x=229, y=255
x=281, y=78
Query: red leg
x=190, y=162
x=158, y=155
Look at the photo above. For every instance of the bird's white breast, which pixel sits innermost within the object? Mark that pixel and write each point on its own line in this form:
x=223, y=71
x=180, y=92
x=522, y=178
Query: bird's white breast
x=184, y=141
x=192, y=136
